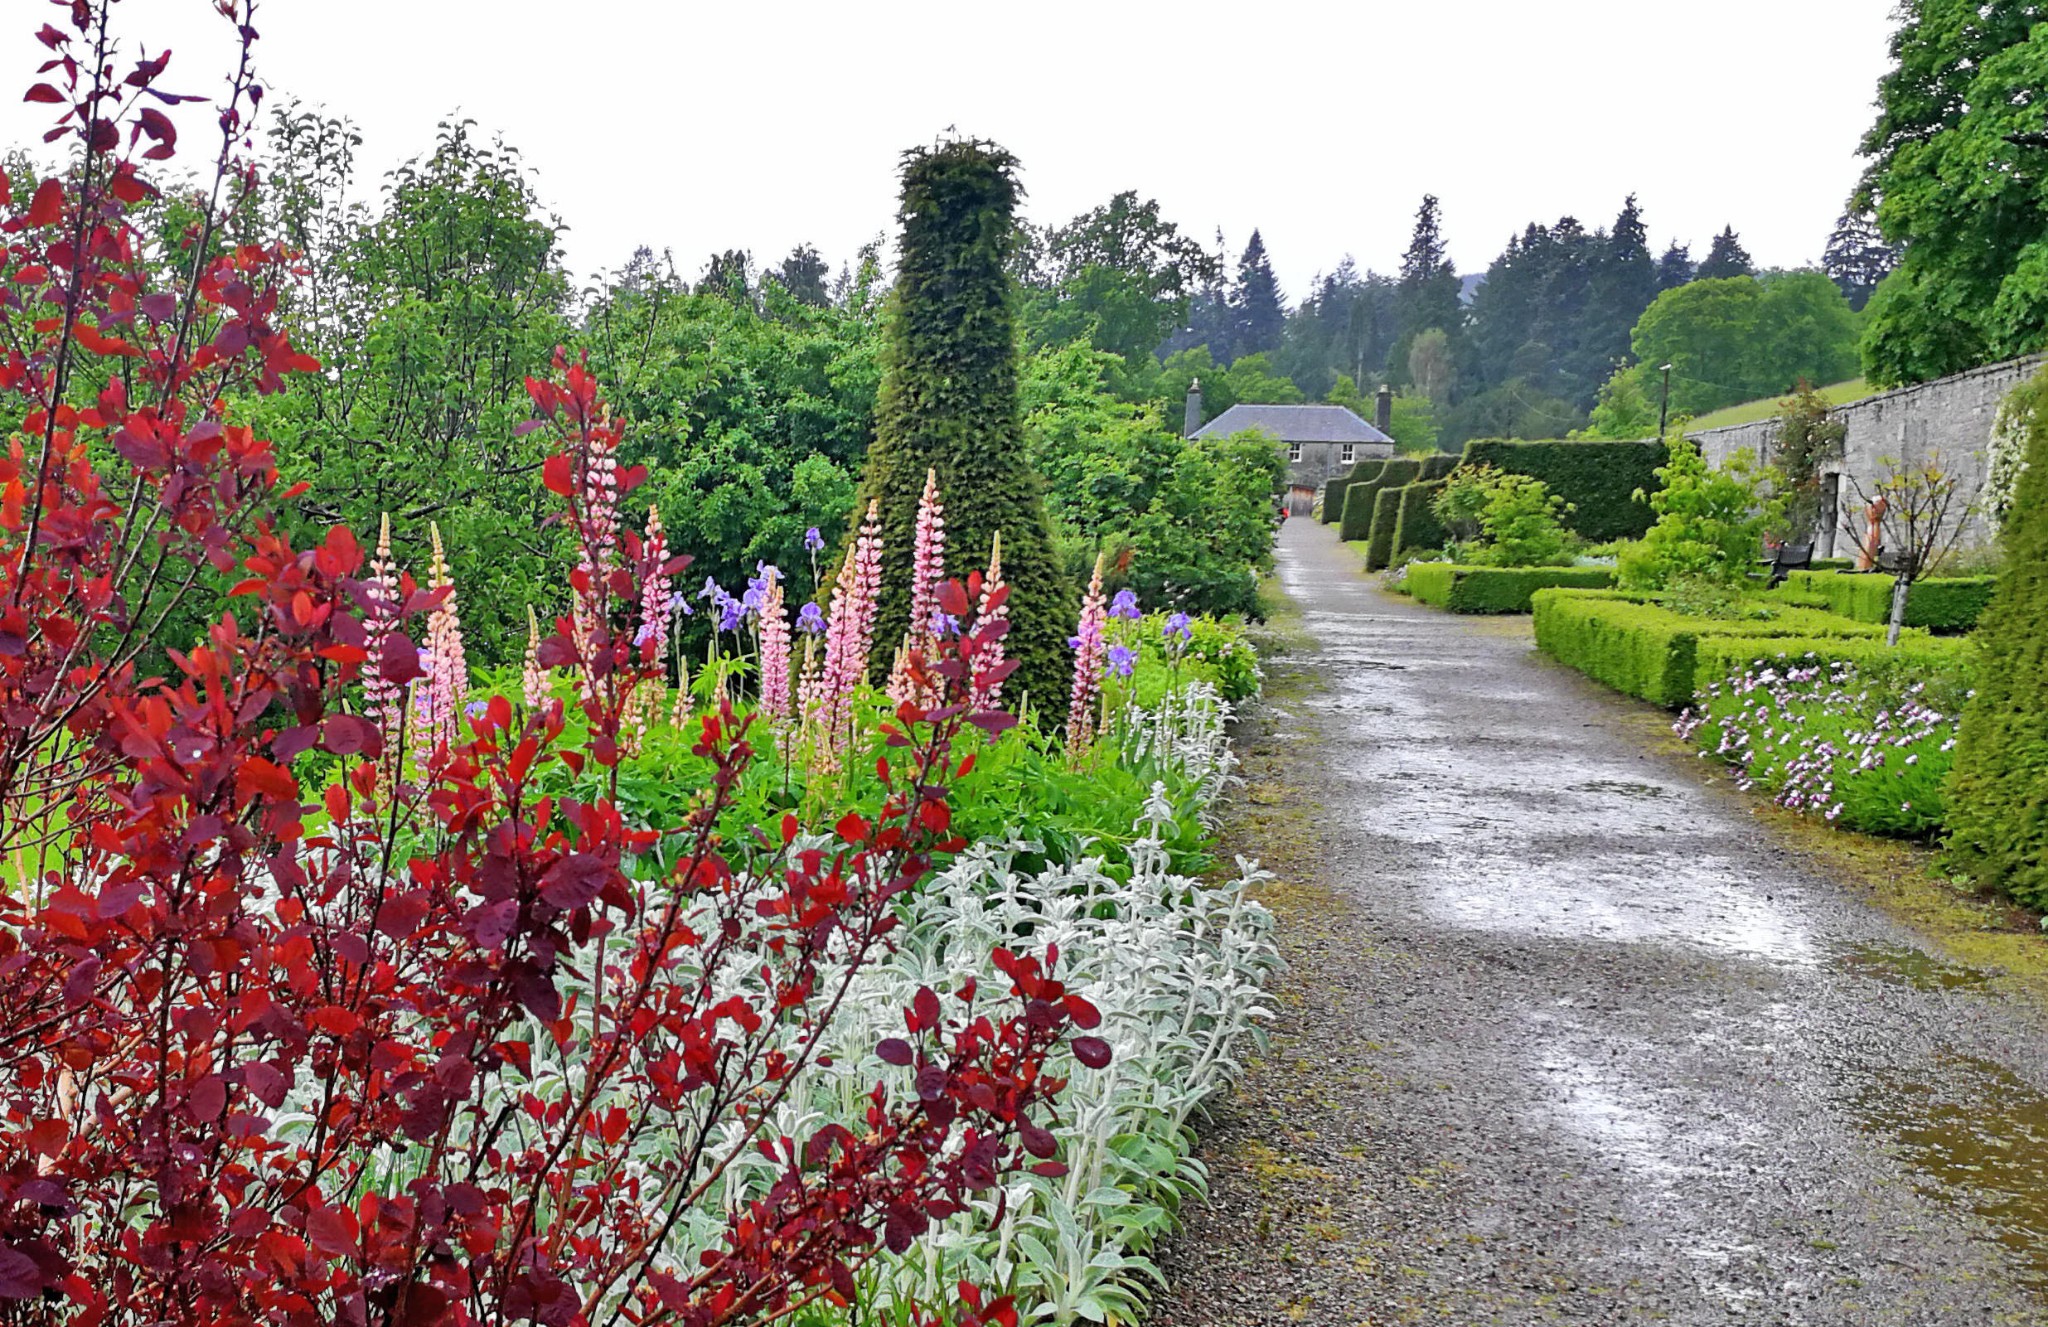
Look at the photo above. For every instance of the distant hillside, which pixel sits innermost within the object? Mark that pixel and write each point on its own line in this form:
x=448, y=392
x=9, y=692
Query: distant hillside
x=1751, y=411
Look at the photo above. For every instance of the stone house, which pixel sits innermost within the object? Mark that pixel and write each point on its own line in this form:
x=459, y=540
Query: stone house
x=1319, y=440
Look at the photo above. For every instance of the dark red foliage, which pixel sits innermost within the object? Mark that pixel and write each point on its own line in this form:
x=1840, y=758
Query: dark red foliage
x=400, y=1043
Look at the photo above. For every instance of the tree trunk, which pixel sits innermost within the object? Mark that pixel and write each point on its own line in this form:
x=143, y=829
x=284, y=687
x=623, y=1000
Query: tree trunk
x=1900, y=588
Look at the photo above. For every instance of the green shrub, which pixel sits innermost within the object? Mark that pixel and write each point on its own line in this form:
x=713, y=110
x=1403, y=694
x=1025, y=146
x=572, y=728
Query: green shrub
x=1386, y=515
x=1999, y=794
x=1496, y=589
x=1364, y=472
x=1942, y=604
x=1599, y=479
x=1644, y=649
x=1358, y=498
x=1710, y=522
x=1416, y=527
x=1523, y=523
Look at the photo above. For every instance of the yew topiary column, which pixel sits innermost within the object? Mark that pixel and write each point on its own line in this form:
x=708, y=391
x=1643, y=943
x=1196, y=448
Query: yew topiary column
x=949, y=404
x=1998, y=790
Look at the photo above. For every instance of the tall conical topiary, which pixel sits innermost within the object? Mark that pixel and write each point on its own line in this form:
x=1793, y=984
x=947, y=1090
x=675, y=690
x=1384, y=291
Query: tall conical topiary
x=949, y=405
x=1998, y=790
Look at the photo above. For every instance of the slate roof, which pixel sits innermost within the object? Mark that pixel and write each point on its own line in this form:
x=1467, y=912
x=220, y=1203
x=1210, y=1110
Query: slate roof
x=1294, y=423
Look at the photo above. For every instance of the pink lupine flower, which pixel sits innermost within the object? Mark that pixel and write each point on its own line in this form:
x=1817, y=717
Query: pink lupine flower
x=849, y=631
x=533, y=679
x=984, y=613
x=927, y=560
x=652, y=638
x=1089, y=653
x=774, y=628
x=438, y=711
x=383, y=702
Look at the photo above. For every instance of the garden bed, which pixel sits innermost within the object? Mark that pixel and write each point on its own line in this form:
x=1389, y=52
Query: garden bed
x=1464, y=589
x=1640, y=647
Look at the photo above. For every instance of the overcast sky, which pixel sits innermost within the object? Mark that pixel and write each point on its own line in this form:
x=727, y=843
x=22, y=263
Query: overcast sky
x=696, y=127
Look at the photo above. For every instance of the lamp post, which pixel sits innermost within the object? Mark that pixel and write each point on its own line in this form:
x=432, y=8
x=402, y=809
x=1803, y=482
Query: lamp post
x=1664, y=410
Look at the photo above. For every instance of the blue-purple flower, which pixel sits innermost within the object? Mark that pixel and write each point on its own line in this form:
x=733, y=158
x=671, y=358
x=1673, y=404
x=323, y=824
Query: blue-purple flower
x=813, y=540
x=1177, y=626
x=1125, y=606
x=1122, y=660
x=811, y=618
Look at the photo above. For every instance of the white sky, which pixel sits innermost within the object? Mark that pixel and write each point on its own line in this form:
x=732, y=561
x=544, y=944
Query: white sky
x=697, y=126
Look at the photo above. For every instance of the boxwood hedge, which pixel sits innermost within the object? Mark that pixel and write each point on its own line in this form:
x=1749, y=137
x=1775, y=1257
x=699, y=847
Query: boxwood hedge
x=1646, y=650
x=1496, y=589
x=1358, y=497
x=1388, y=503
x=1599, y=479
x=1914, y=659
x=1940, y=603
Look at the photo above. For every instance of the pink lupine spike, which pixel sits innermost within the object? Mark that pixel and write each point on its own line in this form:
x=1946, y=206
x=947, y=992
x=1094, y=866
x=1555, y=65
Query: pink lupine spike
x=533, y=678
x=383, y=702
x=986, y=611
x=1089, y=653
x=438, y=701
x=774, y=629
x=849, y=632
x=652, y=637
x=927, y=562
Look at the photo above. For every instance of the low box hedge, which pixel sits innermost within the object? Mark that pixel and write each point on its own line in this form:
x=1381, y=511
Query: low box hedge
x=1599, y=479
x=1915, y=659
x=1496, y=589
x=1941, y=604
x=1356, y=522
x=1644, y=649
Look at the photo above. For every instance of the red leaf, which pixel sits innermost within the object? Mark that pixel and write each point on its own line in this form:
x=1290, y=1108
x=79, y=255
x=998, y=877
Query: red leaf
x=1091, y=1051
x=558, y=475
x=330, y=1018
x=47, y=207
x=894, y=1050
x=45, y=94
x=333, y=1230
x=267, y=779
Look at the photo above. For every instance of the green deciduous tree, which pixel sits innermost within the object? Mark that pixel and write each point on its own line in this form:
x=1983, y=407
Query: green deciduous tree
x=1958, y=177
x=949, y=404
x=1740, y=338
x=1119, y=276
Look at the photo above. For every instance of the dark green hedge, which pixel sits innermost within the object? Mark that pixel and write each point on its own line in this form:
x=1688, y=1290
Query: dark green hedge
x=1942, y=604
x=1363, y=472
x=1998, y=790
x=1646, y=650
x=1599, y=479
x=1358, y=498
x=1496, y=589
x=1416, y=528
x=1386, y=514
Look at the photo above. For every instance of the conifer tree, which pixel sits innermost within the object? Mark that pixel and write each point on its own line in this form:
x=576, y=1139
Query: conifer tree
x=1998, y=789
x=1857, y=258
x=1260, y=317
x=1726, y=258
x=949, y=404
x=803, y=275
x=1428, y=294
x=1675, y=268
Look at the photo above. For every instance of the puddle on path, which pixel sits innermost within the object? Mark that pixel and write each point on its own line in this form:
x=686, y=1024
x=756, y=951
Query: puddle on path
x=1904, y=965
x=1980, y=1134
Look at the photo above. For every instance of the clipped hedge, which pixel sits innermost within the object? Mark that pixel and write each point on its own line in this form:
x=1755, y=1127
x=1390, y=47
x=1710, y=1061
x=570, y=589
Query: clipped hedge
x=1940, y=603
x=1358, y=497
x=1646, y=650
x=1914, y=659
x=1364, y=472
x=1383, y=533
x=1496, y=589
x=1599, y=479
x=1416, y=528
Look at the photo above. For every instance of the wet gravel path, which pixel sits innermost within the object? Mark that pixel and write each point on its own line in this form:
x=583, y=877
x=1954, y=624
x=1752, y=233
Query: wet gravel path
x=1568, y=1037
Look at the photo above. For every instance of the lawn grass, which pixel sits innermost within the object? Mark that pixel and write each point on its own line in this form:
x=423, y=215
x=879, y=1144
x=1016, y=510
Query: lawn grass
x=1749, y=412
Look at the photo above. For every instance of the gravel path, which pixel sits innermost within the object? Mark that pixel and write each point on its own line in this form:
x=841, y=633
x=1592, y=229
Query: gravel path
x=1569, y=1037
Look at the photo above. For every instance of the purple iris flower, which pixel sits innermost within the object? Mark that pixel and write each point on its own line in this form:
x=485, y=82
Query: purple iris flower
x=810, y=618
x=944, y=624
x=813, y=540
x=1125, y=606
x=1122, y=660
x=1177, y=625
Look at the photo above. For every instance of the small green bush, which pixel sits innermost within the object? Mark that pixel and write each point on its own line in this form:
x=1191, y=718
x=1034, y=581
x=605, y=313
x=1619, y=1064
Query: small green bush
x=1356, y=521
x=1642, y=648
x=1496, y=589
x=1942, y=604
x=1999, y=794
x=1364, y=472
x=1710, y=522
x=1598, y=478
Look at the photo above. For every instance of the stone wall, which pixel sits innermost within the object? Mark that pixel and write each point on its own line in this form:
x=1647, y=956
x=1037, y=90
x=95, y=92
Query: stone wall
x=1949, y=418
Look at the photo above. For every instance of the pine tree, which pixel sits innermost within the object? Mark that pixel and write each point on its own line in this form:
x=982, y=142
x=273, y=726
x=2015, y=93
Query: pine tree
x=1428, y=295
x=1726, y=258
x=949, y=403
x=803, y=274
x=729, y=274
x=1998, y=790
x=1857, y=257
x=1258, y=315
x=1675, y=268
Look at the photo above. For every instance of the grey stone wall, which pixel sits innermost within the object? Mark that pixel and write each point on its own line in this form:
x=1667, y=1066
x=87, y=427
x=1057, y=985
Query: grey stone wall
x=1321, y=460
x=1949, y=419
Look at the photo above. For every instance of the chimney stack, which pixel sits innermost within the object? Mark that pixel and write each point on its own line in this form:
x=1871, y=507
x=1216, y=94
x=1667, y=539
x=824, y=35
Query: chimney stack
x=1192, y=419
x=1383, y=410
